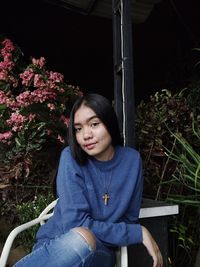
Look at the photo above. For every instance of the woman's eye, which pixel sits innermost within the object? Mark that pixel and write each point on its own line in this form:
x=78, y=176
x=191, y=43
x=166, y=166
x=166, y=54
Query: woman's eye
x=94, y=124
x=77, y=130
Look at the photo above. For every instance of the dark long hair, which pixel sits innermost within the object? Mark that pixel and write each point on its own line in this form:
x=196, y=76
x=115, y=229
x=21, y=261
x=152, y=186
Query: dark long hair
x=104, y=111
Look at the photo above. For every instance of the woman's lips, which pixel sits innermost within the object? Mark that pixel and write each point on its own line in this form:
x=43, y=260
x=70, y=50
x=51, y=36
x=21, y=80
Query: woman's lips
x=90, y=146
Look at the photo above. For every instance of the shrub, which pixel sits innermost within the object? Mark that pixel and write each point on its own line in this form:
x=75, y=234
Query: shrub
x=34, y=110
x=158, y=122
x=29, y=211
x=162, y=112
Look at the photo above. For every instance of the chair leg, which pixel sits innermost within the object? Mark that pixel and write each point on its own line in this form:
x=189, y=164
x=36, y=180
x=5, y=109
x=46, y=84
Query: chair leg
x=118, y=257
x=122, y=257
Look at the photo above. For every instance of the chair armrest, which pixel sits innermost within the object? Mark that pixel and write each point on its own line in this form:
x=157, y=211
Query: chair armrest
x=46, y=210
x=14, y=233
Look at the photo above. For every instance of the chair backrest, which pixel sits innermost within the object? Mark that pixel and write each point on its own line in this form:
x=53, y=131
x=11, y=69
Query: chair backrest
x=122, y=256
x=45, y=215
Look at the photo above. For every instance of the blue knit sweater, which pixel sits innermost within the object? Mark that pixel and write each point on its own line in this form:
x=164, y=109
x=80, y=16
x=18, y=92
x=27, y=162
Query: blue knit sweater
x=80, y=190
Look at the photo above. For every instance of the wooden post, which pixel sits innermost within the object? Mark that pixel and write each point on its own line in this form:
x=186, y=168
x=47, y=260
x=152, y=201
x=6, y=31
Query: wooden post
x=124, y=97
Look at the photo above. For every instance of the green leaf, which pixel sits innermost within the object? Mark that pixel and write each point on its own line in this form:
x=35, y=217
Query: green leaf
x=17, y=140
x=2, y=107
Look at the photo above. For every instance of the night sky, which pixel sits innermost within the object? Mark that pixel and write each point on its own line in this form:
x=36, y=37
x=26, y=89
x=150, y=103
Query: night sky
x=80, y=47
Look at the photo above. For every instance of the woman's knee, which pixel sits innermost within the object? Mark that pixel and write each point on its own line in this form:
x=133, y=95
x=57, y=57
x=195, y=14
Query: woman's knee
x=88, y=236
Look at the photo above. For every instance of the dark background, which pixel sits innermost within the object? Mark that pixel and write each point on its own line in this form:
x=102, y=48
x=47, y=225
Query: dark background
x=80, y=46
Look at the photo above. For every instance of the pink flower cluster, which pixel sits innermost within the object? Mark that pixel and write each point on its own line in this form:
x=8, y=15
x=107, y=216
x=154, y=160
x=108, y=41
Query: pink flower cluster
x=5, y=137
x=7, y=63
x=27, y=76
x=16, y=120
x=55, y=77
x=65, y=120
x=3, y=98
x=39, y=62
x=6, y=53
x=46, y=84
x=38, y=96
x=35, y=85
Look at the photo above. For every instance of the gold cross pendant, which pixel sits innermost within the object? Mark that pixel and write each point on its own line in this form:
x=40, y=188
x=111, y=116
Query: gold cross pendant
x=106, y=198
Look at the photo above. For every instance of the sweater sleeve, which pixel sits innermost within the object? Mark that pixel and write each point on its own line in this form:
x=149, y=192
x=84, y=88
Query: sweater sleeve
x=75, y=209
x=132, y=213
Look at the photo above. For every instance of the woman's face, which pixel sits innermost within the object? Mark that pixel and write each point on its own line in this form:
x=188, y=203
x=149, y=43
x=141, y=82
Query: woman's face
x=92, y=135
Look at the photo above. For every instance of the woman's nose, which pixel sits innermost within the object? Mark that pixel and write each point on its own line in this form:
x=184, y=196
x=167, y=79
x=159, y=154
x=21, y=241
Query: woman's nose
x=87, y=133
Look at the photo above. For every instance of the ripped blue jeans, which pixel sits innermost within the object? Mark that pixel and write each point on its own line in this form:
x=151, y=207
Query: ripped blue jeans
x=68, y=250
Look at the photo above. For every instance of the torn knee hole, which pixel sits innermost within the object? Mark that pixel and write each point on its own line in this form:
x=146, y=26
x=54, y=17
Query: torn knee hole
x=87, y=235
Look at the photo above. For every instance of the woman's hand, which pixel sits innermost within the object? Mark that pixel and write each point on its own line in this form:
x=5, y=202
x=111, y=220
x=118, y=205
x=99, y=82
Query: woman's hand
x=152, y=248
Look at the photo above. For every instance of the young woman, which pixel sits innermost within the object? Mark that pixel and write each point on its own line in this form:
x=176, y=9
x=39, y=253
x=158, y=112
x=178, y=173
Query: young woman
x=99, y=188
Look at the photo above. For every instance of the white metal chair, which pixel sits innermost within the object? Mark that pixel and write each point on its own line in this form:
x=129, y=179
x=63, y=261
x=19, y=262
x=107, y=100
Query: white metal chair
x=121, y=254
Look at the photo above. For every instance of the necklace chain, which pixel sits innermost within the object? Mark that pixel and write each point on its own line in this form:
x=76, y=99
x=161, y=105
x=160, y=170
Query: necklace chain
x=106, y=196
x=106, y=186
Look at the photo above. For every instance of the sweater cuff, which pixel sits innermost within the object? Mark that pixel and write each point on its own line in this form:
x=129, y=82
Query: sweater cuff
x=134, y=234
